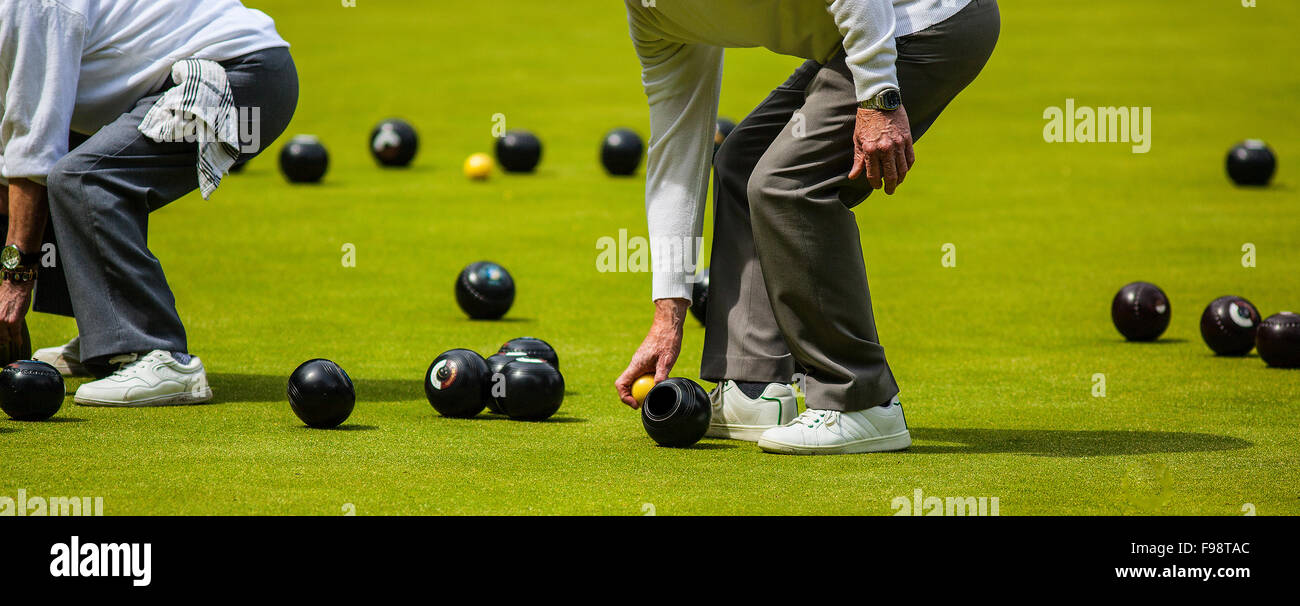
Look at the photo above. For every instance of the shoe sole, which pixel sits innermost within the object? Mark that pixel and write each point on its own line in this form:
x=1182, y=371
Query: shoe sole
x=898, y=441
x=744, y=433
x=188, y=398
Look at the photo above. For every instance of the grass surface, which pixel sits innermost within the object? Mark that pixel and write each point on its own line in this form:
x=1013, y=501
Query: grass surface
x=995, y=356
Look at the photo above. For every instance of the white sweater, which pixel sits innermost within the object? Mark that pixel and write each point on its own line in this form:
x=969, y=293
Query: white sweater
x=680, y=45
x=79, y=64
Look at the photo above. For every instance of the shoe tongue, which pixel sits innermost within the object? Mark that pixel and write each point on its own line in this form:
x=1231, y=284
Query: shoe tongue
x=752, y=390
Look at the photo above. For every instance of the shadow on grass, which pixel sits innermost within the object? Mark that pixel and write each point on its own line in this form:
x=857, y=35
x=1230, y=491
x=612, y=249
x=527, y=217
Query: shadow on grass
x=1067, y=443
x=1122, y=341
x=62, y=420
x=711, y=446
x=16, y=422
x=699, y=446
x=546, y=420
x=236, y=387
x=491, y=416
x=343, y=427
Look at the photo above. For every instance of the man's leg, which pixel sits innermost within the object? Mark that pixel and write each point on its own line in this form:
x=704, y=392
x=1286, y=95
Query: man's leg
x=808, y=242
x=807, y=238
x=101, y=195
x=742, y=341
x=744, y=351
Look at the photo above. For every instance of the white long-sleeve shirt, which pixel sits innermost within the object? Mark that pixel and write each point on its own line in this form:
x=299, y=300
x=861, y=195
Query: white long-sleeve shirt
x=680, y=45
x=76, y=65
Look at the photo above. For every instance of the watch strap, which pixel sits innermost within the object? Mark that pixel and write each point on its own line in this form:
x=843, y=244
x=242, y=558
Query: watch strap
x=876, y=102
x=19, y=276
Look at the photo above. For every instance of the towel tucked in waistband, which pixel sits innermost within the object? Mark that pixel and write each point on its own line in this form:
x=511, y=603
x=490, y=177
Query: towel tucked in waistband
x=201, y=109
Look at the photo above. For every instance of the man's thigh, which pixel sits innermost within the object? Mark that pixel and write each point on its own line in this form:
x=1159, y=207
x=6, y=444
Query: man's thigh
x=751, y=138
x=118, y=164
x=937, y=63
x=813, y=152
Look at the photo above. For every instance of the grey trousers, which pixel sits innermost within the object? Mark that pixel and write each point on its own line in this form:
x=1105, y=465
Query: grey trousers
x=788, y=285
x=101, y=195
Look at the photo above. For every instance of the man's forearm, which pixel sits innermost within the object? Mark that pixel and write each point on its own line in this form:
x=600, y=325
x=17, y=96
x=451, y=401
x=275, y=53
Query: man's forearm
x=29, y=209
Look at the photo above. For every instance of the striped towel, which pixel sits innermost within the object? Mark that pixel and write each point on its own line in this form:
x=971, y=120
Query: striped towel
x=200, y=108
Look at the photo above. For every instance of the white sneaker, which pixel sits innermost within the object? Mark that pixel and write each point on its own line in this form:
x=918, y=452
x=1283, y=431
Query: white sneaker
x=876, y=429
x=739, y=417
x=156, y=379
x=65, y=358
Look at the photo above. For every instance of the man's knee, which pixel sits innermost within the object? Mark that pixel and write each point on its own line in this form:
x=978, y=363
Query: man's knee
x=64, y=182
x=782, y=189
x=767, y=189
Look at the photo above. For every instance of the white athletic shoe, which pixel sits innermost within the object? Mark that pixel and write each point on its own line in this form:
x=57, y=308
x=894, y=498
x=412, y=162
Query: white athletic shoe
x=876, y=429
x=65, y=358
x=156, y=379
x=739, y=417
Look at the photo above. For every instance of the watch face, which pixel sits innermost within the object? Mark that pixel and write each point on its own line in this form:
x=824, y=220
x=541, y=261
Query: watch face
x=9, y=257
x=891, y=99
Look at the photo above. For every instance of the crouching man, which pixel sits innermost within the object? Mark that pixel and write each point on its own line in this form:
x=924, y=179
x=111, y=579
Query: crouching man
x=788, y=284
x=171, y=93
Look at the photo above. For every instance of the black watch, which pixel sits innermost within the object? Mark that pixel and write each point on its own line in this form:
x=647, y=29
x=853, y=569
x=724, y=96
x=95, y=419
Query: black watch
x=886, y=100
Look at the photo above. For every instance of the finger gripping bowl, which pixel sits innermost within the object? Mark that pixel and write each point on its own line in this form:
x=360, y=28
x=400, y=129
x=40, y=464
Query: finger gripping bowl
x=676, y=412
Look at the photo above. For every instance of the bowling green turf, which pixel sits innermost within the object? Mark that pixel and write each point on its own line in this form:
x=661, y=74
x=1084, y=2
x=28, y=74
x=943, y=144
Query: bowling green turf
x=996, y=356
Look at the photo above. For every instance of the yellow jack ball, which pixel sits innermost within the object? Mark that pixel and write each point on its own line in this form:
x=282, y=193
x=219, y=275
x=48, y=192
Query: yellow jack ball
x=641, y=387
x=478, y=166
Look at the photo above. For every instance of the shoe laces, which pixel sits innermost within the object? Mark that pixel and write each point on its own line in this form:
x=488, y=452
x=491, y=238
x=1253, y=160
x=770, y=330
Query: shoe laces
x=131, y=365
x=812, y=418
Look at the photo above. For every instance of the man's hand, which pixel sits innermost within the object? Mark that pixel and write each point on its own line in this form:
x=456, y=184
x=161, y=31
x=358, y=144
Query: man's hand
x=659, y=351
x=28, y=209
x=14, y=299
x=882, y=148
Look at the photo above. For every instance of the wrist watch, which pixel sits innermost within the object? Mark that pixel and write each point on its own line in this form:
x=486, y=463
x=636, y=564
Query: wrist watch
x=886, y=100
x=17, y=266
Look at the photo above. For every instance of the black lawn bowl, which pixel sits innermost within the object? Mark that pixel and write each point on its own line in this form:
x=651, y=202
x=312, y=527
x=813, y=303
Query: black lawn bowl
x=496, y=376
x=676, y=412
x=519, y=151
x=1228, y=326
x=621, y=152
x=457, y=383
x=1278, y=340
x=485, y=290
x=700, y=297
x=321, y=394
x=393, y=143
x=1140, y=311
x=723, y=131
x=304, y=160
x=30, y=390
x=534, y=390
x=532, y=347
x=1251, y=163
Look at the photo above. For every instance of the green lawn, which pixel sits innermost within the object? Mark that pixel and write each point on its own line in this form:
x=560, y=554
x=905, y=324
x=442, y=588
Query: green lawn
x=996, y=356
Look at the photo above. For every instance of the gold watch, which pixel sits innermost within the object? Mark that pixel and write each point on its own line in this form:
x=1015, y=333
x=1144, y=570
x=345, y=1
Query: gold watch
x=17, y=266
